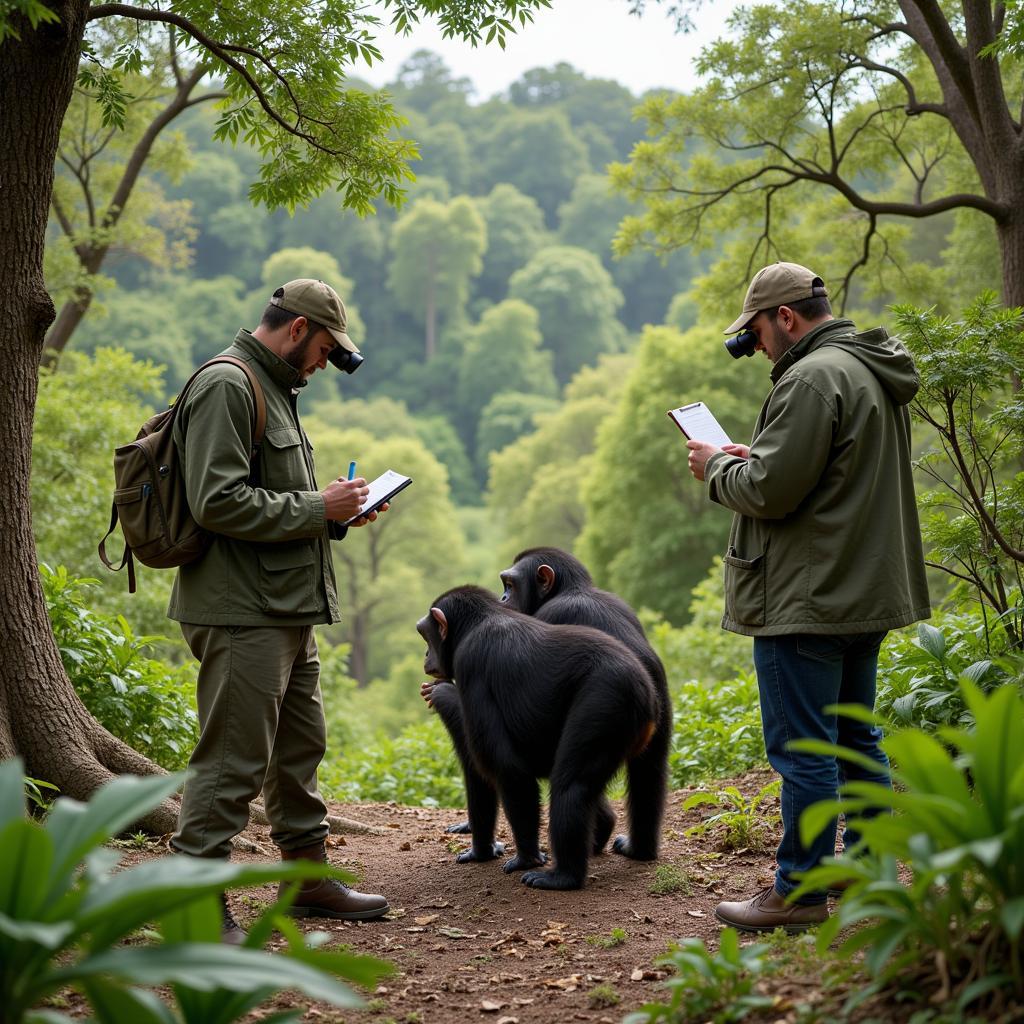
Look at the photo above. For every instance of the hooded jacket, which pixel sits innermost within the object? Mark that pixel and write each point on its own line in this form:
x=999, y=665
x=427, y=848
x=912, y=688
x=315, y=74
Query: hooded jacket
x=825, y=538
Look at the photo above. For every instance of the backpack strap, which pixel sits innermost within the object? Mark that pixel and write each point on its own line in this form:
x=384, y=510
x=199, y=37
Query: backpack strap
x=259, y=428
x=257, y=393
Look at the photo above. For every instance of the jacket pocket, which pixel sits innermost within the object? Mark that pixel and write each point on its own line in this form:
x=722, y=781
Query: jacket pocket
x=288, y=579
x=284, y=461
x=745, y=588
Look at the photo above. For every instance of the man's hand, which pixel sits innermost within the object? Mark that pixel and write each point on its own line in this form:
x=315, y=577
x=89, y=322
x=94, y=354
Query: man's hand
x=700, y=452
x=371, y=517
x=344, y=498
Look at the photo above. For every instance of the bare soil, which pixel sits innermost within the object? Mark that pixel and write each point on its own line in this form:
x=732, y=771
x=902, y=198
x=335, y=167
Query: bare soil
x=470, y=943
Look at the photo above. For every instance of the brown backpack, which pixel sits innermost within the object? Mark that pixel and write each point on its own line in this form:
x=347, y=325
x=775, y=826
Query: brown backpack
x=149, y=489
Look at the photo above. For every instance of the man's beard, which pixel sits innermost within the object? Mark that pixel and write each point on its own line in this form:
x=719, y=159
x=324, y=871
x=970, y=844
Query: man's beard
x=298, y=357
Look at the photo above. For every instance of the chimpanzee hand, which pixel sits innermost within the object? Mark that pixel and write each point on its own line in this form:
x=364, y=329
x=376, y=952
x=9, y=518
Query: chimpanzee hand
x=427, y=689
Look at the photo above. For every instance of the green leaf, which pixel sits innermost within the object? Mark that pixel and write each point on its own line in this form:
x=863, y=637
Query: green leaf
x=49, y=936
x=932, y=641
x=114, y=1004
x=1012, y=916
x=208, y=967
x=12, y=791
x=26, y=856
x=76, y=827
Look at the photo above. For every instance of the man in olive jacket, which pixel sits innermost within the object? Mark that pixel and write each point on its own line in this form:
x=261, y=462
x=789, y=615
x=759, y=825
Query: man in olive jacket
x=248, y=607
x=824, y=553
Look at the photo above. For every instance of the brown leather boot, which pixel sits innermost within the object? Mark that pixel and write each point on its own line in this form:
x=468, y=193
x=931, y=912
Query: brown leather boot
x=231, y=932
x=327, y=897
x=768, y=911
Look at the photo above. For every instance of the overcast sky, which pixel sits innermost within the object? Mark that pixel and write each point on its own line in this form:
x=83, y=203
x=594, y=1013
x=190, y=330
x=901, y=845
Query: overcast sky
x=598, y=37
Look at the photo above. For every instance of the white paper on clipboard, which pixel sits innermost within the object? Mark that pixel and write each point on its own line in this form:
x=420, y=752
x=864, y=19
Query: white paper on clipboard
x=698, y=423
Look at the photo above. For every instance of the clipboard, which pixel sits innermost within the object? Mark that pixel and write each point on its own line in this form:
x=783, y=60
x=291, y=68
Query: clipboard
x=382, y=490
x=697, y=423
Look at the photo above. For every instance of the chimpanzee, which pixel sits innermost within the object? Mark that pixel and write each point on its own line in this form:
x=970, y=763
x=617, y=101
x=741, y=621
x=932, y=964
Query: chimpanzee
x=534, y=700
x=555, y=587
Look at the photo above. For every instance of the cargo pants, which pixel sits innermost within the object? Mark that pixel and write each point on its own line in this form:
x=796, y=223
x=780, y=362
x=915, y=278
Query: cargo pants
x=261, y=723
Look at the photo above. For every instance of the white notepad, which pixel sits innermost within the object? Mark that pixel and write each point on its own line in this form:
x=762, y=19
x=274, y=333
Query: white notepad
x=698, y=424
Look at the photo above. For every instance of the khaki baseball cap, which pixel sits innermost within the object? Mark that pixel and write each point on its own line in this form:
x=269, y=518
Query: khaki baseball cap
x=316, y=301
x=775, y=286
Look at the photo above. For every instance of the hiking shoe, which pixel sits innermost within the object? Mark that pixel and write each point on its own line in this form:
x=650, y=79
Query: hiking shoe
x=327, y=897
x=768, y=911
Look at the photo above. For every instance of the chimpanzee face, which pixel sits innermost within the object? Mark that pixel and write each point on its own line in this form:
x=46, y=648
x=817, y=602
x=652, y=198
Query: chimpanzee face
x=513, y=595
x=433, y=627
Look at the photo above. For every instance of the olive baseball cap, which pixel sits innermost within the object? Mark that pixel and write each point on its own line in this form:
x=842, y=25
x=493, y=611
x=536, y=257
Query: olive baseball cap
x=775, y=286
x=316, y=301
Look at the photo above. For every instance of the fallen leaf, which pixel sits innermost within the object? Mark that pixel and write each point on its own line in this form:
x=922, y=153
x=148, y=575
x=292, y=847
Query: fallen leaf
x=456, y=933
x=426, y=918
x=415, y=929
x=508, y=1020
x=490, y=1006
x=696, y=913
x=569, y=984
x=522, y=1000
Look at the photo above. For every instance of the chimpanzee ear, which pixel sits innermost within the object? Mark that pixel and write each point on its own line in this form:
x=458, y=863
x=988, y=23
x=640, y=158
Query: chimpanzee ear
x=442, y=622
x=545, y=578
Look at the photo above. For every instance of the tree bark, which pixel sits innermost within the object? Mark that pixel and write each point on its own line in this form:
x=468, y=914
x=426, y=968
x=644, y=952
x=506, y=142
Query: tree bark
x=42, y=719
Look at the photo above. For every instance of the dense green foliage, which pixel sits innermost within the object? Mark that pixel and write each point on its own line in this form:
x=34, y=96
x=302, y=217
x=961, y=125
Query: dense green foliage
x=958, y=827
x=64, y=926
x=141, y=700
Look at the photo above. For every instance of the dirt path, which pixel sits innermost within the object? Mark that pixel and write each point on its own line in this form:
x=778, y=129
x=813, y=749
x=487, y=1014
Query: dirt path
x=472, y=943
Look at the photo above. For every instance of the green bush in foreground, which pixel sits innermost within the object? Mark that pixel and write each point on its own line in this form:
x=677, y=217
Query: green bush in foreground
x=958, y=827
x=64, y=909
x=141, y=700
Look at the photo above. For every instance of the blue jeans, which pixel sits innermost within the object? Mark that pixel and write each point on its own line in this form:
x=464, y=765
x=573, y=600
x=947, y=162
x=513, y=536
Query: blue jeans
x=798, y=675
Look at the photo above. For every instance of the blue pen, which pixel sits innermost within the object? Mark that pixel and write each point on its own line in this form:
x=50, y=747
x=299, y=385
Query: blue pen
x=351, y=470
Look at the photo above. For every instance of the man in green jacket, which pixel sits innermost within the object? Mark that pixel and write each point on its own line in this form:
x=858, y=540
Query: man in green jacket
x=248, y=607
x=824, y=553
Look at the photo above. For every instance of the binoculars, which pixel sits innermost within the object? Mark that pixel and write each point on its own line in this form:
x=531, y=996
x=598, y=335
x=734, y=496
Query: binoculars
x=743, y=344
x=345, y=360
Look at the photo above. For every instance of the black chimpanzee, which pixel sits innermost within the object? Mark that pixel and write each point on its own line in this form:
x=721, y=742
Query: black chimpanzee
x=533, y=700
x=555, y=587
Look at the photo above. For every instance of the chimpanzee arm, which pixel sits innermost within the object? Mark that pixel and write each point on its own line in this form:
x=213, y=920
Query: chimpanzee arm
x=481, y=798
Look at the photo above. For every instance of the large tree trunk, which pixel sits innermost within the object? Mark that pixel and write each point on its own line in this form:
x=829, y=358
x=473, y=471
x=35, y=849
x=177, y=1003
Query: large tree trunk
x=41, y=717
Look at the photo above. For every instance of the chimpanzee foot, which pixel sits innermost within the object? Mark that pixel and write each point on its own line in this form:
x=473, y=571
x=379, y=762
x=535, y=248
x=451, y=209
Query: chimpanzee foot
x=474, y=854
x=625, y=846
x=552, y=880
x=520, y=862
x=460, y=828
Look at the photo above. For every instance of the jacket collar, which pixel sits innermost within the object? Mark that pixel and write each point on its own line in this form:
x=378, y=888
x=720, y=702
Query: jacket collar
x=813, y=339
x=277, y=369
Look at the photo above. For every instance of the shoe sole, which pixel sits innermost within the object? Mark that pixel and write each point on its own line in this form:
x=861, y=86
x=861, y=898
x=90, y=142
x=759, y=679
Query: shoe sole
x=334, y=915
x=789, y=929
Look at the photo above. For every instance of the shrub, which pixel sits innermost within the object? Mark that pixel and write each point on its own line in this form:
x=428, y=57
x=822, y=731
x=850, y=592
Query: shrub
x=417, y=767
x=740, y=820
x=60, y=923
x=143, y=701
x=919, y=671
x=717, y=988
x=958, y=827
x=717, y=730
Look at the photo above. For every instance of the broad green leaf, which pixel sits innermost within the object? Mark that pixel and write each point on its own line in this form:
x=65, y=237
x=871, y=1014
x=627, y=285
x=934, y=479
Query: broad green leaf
x=26, y=855
x=1012, y=916
x=115, y=1004
x=49, y=936
x=12, y=790
x=76, y=827
x=207, y=967
x=932, y=641
x=832, y=750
